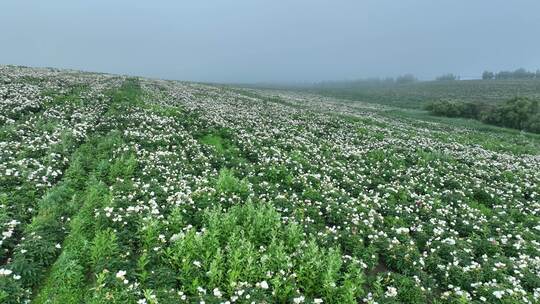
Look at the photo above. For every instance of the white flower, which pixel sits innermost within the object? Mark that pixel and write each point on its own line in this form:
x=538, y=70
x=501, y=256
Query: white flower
x=197, y=263
x=299, y=299
x=175, y=237
x=16, y=277
x=217, y=293
x=391, y=292
x=264, y=285
x=141, y=301
x=402, y=230
x=5, y=272
x=317, y=301
x=498, y=293
x=121, y=274
x=58, y=246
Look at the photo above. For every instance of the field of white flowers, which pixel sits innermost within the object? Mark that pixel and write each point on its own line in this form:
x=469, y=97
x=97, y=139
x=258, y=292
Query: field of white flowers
x=129, y=190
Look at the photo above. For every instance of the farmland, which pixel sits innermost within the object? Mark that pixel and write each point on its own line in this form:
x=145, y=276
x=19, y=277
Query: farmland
x=121, y=189
x=510, y=103
x=418, y=94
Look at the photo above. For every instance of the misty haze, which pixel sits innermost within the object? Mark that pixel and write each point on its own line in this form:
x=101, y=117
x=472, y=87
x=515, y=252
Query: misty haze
x=266, y=152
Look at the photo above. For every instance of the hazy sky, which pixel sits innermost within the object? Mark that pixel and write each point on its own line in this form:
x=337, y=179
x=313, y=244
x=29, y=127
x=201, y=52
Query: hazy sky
x=257, y=41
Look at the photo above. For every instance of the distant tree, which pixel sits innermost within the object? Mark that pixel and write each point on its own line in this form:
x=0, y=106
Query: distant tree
x=504, y=75
x=521, y=73
x=533, y=123
x=537, y=76
x=487, y=75
x=407, y=78
x=456, y=108
x=519, y=113
x=447, y=77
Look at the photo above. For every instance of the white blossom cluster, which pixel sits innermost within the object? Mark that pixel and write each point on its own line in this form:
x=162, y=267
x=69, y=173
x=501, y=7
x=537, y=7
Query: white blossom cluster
x=423, y=212
x=39, y=135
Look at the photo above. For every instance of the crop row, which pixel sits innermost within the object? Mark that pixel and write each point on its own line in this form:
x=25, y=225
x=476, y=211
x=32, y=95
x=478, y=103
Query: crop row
x=186, y=192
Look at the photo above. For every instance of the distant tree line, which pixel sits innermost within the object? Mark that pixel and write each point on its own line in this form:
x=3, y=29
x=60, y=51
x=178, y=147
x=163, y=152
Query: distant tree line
x=518, y=113
x=368, y=82
x=407, y=78
x=447, y=77
x=520, y=73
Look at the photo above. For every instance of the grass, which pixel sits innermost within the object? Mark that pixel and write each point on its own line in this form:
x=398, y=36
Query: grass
x=216, y=141
x=416, y=95
x=489, y=136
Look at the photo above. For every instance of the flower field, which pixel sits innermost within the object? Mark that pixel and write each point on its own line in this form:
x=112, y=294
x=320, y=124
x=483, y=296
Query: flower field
x=130, y=190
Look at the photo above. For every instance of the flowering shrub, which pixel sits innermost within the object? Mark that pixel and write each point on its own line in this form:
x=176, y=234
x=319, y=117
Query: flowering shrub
x=127, y=190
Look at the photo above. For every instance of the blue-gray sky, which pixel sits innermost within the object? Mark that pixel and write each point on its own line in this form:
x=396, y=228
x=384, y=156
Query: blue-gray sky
x=268, y=41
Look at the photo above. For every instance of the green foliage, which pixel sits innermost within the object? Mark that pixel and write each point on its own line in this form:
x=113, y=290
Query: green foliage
x=173, y=194
x=216, y=141
x=417, y=95
x=405, y=79
x=45, y=231
x=130, y=92
x=487, y=75
x=408, y=290
x=517, y=113
x=68, y=276
x=520, y=73
x=447, y=77
x=104, y=250
x=228, y=183
x=248, y=242
x=72, y=275
x=43, y=238
x=452, y=108
x=123, y=168
x=227, y=154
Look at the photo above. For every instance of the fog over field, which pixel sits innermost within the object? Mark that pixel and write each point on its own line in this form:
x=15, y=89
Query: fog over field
x=305, y=152
x=272, y=41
